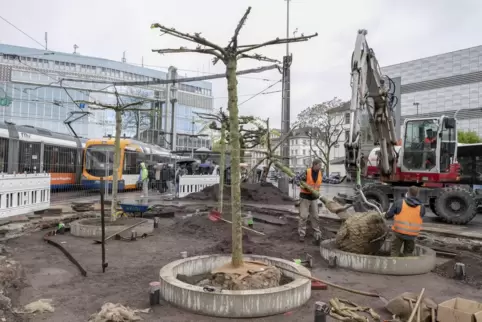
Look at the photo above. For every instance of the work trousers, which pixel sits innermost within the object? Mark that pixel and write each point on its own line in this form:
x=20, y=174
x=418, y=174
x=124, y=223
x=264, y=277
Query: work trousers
x=397, y=244
x=309, y=210
x=145, y=188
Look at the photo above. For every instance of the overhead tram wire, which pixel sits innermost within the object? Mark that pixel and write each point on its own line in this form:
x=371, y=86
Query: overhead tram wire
x=23, y=32
x=259, y=93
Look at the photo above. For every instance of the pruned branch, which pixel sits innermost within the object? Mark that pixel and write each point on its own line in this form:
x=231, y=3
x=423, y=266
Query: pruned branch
x=234, y=39
x=196, y=38
x=188, y=50
x=259, y=57
x=277, y=41
x=175, y=81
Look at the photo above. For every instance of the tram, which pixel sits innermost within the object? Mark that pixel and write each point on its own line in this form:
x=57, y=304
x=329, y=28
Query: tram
x=99, y=161
x=25, y=148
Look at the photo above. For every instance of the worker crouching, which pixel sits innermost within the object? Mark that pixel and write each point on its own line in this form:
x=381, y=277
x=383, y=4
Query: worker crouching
x=407, y=217
x=309, y=202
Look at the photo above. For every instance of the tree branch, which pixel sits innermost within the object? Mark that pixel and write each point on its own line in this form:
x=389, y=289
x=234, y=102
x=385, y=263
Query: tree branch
x=276, y=41
x=234, y=39
x=259, y=57
x=196, y=38
x=188, y=50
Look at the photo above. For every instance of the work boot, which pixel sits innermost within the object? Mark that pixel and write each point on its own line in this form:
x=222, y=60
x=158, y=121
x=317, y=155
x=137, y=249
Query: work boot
x=302, y=239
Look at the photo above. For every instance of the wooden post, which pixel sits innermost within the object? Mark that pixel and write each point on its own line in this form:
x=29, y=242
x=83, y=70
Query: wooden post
x=321, y=311
x=154, y=293
x=133, y=235
x=156, y=222
x=459, y=270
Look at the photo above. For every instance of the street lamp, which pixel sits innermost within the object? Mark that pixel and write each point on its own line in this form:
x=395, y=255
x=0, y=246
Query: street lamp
x=416, y=104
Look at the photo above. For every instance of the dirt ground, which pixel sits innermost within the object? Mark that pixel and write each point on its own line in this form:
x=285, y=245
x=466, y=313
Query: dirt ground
x=250, y=192
x=133, y=265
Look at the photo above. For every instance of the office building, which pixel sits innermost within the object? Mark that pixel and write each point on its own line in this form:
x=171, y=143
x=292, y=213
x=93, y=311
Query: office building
x=31, y=93
x=441, y=85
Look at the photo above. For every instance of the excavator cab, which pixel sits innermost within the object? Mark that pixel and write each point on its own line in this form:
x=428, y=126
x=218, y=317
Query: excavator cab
x=429, y=146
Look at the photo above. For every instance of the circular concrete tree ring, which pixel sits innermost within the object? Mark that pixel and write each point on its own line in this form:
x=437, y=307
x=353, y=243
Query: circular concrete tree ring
x=88, y=228
x=233, y=304
x=422, y=263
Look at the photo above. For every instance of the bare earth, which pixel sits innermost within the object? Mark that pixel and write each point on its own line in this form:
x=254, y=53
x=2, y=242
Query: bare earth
x=132, y=265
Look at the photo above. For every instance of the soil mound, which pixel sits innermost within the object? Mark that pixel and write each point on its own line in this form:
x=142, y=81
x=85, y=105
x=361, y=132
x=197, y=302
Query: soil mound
x=250, y=192
x=473, y=263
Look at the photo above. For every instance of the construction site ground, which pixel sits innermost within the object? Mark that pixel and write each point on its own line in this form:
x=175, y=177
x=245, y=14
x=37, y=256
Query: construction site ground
x=133, y=265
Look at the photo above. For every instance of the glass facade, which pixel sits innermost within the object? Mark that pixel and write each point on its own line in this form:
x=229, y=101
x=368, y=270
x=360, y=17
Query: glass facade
x=30, y=79
x=443, y=84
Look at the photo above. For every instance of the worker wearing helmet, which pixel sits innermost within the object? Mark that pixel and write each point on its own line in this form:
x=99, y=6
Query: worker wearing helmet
x=407, y=217
x=309, y=202
x=144, y=179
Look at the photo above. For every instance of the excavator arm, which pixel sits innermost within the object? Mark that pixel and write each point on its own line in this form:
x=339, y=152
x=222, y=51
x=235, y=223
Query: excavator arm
x=372, y=97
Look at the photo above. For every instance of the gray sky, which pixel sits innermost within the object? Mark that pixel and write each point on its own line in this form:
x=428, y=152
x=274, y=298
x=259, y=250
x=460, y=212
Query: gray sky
x=398, y=31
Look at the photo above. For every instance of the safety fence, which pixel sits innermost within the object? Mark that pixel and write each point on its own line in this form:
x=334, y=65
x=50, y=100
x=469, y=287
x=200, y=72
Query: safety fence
x=195, y=183
x=24, y=193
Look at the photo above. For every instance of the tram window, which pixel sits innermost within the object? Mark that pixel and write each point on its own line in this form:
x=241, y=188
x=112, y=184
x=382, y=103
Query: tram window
x=29, y=157
x=59, y=159
x=130, y=164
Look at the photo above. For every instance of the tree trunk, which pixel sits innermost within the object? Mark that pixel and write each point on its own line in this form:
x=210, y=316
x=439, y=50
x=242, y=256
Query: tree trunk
x=327, y=169
x=237, y=233
x=117, y=155
x=222, y=166
x=241, y=148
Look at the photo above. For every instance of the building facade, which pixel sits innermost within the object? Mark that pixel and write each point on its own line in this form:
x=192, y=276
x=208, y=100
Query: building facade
x=442, y=85
x=32, y=93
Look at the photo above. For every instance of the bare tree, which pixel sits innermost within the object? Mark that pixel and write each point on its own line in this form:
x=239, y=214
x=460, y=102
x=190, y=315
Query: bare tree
x=137, y=121
x=229, y=55
x=324, y=127
x=119, y=108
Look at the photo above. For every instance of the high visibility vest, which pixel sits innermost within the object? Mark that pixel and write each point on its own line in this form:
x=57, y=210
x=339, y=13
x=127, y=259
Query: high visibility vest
x=144, y=173
x=315, y=185
x=408, y=221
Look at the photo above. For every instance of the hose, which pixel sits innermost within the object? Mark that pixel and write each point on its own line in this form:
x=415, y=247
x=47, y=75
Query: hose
x=63, y=250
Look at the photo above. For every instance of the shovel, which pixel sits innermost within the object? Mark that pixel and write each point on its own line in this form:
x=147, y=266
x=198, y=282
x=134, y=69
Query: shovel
x=215, y=215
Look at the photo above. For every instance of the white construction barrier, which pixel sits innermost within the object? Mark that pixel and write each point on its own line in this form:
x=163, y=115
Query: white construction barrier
x=21, y=194
x=195, y=183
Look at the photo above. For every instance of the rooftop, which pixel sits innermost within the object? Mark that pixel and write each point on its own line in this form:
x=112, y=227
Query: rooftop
x=89, y=60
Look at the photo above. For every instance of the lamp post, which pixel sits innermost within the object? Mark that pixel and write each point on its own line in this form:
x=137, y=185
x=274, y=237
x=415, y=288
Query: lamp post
x=416, y=104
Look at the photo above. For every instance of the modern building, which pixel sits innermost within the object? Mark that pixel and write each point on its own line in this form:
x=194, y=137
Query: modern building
x=32, y=93
x=441, y=85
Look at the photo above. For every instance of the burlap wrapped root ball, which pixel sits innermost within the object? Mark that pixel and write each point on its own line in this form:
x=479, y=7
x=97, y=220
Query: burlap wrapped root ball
x=362, y=233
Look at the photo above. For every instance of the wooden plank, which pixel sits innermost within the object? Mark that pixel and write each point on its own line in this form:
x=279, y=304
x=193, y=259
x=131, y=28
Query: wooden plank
x=120, y=231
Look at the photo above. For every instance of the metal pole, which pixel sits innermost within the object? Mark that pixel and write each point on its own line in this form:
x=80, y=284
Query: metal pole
x=102, y=222
x=287, y=26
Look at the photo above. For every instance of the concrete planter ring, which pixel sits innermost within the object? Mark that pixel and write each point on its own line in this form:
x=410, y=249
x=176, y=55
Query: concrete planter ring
x=232, y=304
x=423, y=262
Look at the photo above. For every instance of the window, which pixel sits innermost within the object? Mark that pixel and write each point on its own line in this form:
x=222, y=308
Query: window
x=130, y=164
x=347, y=118
x=59, y=159
x=416, y=154
x=347, y=134
x=29, y=157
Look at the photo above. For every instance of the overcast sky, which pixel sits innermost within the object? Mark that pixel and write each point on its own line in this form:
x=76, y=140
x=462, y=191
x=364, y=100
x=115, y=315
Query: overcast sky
x=398, y=31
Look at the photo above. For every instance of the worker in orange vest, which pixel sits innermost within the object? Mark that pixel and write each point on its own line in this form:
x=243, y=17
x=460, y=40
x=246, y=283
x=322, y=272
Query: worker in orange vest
x=309, y=203
x=407, y=217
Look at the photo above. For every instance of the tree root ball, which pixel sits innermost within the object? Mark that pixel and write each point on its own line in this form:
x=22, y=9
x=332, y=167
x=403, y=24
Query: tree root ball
x=362, y=233
x=250, y=276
